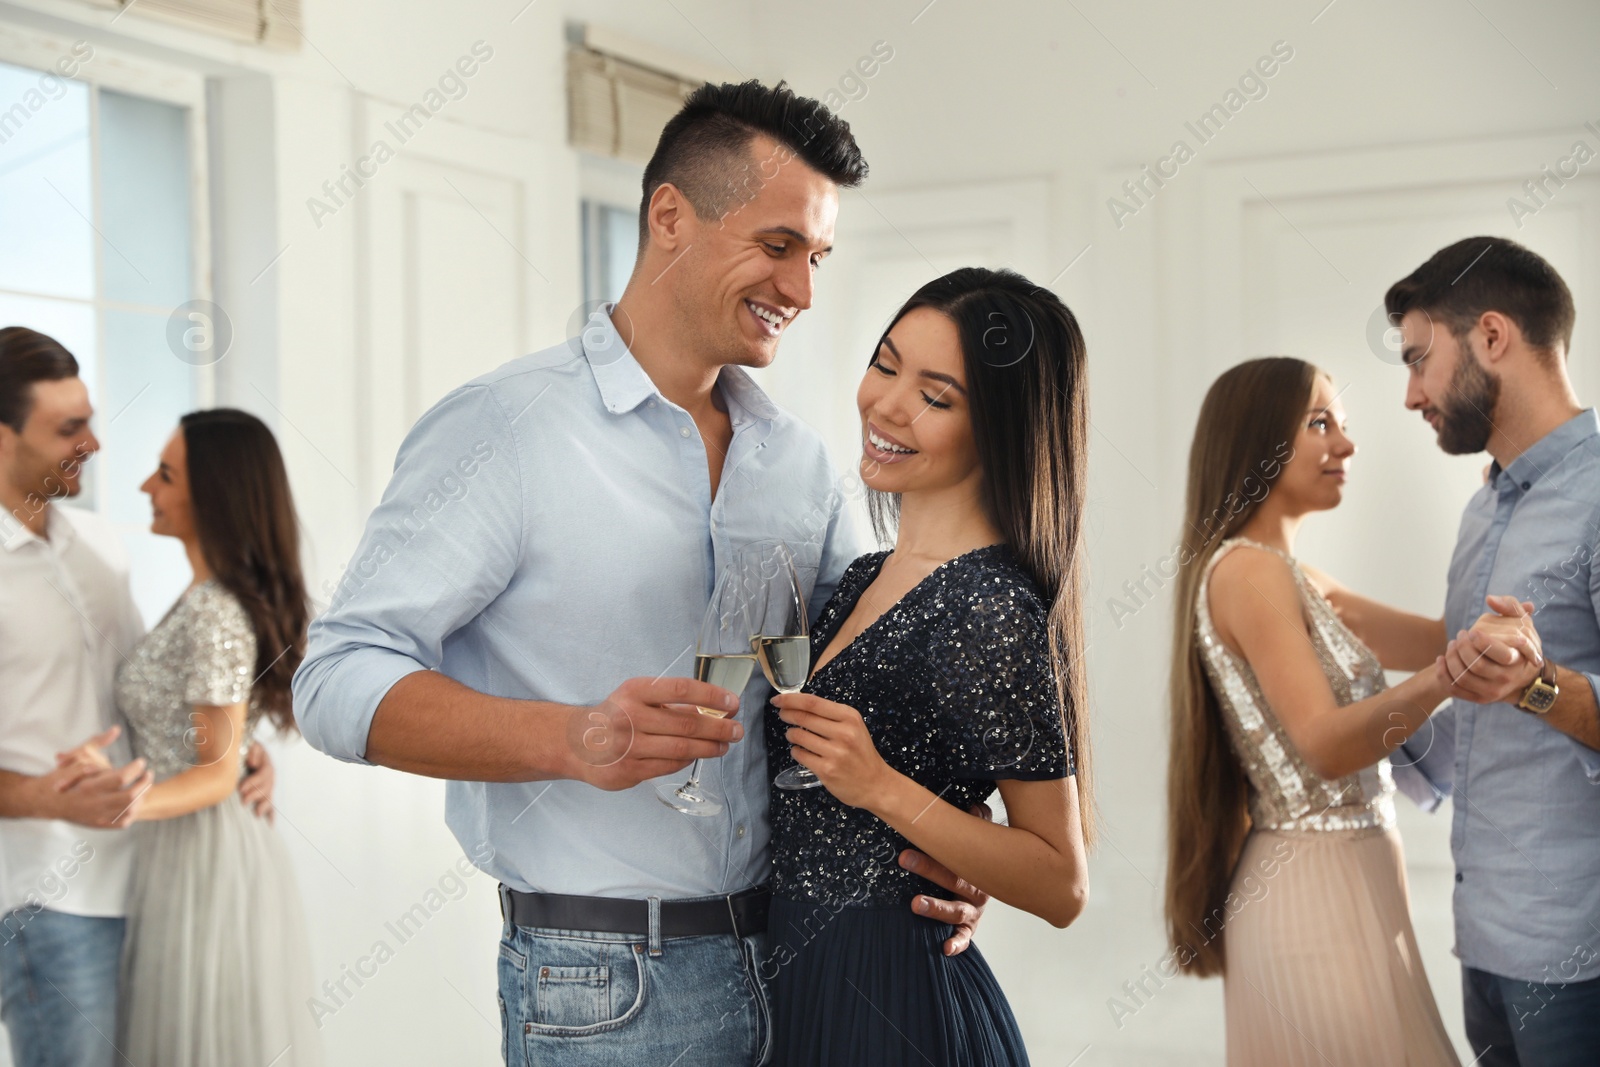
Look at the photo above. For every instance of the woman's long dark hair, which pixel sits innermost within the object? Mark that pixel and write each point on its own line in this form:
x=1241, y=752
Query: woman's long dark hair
x=1250, y=417
x=1026, y=369
x=244, y=516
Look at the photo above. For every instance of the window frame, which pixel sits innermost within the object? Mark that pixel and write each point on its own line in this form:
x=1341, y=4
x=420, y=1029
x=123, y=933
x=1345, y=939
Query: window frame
x=602, y=182
x=135, y=75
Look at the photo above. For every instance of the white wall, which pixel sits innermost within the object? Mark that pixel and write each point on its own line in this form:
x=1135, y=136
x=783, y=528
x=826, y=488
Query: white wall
x=996, y=134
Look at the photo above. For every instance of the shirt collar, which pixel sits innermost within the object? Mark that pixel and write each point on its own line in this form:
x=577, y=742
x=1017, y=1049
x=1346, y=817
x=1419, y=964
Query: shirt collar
x=1546, y=453
x=624, y=385
x=14, y=534
x=739, y=388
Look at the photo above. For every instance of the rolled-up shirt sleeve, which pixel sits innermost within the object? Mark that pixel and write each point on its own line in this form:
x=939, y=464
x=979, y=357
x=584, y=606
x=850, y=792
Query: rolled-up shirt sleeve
x=1424, y=764
x=442, y=544
x=1586, y=755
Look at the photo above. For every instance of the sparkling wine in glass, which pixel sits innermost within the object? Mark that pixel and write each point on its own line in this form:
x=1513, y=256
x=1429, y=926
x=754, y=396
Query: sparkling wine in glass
x=731, y=672
x=786, y=661
x=783, y=641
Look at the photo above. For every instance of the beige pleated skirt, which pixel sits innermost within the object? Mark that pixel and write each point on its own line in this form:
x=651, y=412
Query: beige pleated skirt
x=1322, y=962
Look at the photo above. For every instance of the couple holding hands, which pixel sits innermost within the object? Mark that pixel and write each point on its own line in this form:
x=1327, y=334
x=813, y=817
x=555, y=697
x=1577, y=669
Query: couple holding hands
x=1285, y=872
x=150, y=911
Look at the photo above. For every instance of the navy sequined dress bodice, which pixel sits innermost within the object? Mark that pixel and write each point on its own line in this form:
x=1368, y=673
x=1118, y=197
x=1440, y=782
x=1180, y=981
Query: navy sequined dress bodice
x=955, y=685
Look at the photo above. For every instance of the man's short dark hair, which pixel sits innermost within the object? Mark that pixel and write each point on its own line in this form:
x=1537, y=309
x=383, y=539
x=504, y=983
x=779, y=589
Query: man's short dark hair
x=1459, y=283
x=28, y=356
x=704, y=149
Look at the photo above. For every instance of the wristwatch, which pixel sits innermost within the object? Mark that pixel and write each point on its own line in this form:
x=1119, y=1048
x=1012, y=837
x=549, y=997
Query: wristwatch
x=1540, y=696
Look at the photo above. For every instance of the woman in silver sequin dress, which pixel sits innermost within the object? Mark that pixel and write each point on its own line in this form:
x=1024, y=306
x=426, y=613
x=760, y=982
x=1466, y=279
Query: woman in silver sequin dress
x=216, y=967
x=1285, y=870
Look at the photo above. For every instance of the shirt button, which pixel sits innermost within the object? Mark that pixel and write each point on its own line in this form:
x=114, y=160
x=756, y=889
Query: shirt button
x=683, y=431
x=1526, y=486
x=1458, y=876
x=740, y=830
x=650, y=403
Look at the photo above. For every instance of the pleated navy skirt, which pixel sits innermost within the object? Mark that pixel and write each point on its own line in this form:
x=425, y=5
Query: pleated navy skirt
x=872, y=986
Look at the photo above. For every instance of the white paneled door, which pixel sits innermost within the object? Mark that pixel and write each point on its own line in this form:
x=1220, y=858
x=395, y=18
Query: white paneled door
x=452, y=281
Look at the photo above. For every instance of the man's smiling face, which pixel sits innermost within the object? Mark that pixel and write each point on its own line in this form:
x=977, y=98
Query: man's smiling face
x=741, y=278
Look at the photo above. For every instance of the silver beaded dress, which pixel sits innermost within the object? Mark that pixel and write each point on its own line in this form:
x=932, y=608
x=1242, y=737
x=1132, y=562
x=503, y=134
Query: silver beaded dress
x=216, y=965
x=1322, y=966
x=1285, y=794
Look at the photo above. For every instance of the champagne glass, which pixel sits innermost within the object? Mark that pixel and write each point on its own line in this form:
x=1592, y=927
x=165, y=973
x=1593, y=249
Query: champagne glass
x=783, y=640
x=722, y=656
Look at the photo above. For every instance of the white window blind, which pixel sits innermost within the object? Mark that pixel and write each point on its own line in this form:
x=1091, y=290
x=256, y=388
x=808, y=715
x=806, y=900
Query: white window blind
x=616, y=105
x=271, y=22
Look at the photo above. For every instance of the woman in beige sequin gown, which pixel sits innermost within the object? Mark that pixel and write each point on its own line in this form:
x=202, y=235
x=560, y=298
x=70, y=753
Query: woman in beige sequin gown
x=1285, y=870
x=216, y=965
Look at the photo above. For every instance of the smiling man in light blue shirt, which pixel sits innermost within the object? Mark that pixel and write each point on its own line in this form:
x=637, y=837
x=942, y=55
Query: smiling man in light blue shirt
x=1486, y=327
x=520, y=616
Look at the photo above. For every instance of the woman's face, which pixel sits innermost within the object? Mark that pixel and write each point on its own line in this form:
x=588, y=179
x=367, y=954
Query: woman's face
x=916, y=424
x=1314, y=479
x=168, y=488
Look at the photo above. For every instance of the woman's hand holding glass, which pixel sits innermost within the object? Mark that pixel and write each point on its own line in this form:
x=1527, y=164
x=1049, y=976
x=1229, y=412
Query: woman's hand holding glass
x=832, y=742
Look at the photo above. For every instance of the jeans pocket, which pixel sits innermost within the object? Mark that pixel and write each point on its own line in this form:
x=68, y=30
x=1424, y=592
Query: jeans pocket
x=512, y=967
x=509, y=954
x=578, y=987
x=572, y=996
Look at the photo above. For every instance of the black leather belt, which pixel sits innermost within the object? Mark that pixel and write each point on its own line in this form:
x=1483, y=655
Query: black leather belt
x=742, y=913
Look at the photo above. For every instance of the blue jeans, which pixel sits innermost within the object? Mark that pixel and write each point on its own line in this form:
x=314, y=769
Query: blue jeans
x=58, y=987
x=573, y=998
x=1513, y=1023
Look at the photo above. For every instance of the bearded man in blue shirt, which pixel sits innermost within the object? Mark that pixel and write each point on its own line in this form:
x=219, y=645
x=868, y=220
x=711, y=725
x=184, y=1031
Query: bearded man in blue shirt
x=1486, y=328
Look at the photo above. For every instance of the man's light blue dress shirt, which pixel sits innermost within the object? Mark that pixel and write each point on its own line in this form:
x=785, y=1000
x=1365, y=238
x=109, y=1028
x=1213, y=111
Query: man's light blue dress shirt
x=550, y=532
x=1526, y=819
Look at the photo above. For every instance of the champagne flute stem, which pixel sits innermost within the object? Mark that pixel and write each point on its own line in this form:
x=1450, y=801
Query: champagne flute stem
x=694, y=776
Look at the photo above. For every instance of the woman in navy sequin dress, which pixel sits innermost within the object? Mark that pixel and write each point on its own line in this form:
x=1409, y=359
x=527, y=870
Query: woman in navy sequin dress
x=942, y=670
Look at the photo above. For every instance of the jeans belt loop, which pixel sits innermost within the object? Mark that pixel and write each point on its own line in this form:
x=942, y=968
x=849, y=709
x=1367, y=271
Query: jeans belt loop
x=655, y=926
x=733, y=917
x=505, y=910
